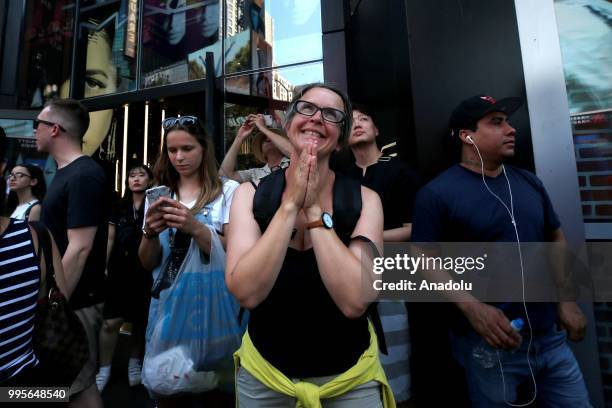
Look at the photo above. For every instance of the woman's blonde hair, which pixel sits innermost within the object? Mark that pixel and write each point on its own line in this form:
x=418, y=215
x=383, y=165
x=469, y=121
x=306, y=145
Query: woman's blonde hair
x=166, y=174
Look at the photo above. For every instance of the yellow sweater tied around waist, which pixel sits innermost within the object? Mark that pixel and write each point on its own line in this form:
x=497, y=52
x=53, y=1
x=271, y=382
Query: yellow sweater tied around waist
x=308, y=395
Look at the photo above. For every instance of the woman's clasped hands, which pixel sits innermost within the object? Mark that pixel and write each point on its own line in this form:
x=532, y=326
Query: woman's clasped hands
x=303, y=185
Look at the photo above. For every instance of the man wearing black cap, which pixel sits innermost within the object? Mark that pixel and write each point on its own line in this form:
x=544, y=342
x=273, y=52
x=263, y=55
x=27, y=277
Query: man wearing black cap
x=483, y=200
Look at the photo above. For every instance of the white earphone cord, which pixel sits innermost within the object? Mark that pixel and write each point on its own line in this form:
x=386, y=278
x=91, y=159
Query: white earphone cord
x=518, y=244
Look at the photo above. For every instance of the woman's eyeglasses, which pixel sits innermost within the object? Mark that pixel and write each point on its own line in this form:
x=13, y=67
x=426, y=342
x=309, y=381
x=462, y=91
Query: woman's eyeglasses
x=310, y=109
x=17, y=175
x=37, y=122
x=186, y=120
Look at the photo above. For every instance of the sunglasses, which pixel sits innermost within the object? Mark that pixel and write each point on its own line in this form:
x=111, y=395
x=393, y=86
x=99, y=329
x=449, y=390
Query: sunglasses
x=37, y=122
x=186, y=121
x=310, y=109
x=18, y=175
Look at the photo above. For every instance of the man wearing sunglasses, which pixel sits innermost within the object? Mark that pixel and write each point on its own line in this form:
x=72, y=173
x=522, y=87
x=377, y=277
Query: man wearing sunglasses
x=74, y=210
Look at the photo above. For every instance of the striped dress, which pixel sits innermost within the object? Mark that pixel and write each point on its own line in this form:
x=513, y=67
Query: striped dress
x=19, y=285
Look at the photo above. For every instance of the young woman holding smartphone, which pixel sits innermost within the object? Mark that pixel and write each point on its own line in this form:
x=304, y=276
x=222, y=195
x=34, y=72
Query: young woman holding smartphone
x=188, y=167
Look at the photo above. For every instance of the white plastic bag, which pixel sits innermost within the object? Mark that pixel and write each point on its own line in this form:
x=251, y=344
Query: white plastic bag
x=172, y=371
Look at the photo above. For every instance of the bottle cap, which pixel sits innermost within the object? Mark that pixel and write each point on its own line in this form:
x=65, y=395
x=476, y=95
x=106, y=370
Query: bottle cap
x=517, y=324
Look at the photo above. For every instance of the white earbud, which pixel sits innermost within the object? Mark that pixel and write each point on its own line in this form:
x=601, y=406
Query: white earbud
x=469, y=138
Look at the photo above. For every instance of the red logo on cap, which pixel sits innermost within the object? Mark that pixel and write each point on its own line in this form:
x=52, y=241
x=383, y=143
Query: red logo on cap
x=488, y=99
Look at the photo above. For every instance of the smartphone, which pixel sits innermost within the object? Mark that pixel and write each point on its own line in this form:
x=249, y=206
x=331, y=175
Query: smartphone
x=153, y=194
x=269, y=122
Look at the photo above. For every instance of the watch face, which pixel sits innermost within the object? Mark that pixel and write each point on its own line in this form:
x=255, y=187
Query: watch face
x=327, y=220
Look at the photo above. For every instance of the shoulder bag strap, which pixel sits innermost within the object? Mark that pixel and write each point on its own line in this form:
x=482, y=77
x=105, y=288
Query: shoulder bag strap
x=27, y=212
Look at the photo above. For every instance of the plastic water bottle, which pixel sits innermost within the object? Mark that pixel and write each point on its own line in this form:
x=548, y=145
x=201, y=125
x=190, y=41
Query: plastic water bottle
x=486, y=355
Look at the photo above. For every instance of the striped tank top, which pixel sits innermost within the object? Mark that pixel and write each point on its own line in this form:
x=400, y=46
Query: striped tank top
x=19, y=285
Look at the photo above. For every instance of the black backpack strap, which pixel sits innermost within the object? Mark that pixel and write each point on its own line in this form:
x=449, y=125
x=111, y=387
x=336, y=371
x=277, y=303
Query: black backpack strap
x=372, y=313
x=268, y=197
x=44, y=246
x=347, y=206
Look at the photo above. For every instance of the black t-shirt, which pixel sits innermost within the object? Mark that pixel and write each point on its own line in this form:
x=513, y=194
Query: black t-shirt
x=78, y=197
x=128, y=222
x=395, y=183
x=128, y=232
x=456, y=207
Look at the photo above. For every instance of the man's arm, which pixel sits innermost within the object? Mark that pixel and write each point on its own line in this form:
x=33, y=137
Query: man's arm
x=80, y=243
x=571, y=317
x=429, y=223
x=112, y=228
x=60, y=276
x=401, y=234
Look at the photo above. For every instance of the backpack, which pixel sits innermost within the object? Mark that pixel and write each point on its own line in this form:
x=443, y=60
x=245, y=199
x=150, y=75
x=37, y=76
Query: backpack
x=346, y=213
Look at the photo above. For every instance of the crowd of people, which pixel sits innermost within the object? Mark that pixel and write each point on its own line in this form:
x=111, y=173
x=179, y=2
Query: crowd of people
x=281, y=257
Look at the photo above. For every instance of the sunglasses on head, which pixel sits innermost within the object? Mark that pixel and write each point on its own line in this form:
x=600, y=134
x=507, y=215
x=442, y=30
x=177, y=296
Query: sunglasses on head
x=186, y=120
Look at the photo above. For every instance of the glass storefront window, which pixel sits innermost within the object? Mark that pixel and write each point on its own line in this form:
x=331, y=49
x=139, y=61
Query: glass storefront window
x=276, y=84
x=111, y=48
x=585, y=36
x=175, y=34
x=267, y=93
x=271, y=33
x=47, y=50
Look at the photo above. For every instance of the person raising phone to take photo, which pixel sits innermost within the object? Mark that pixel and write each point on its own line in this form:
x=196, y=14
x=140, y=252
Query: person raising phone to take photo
x=269, y=147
